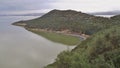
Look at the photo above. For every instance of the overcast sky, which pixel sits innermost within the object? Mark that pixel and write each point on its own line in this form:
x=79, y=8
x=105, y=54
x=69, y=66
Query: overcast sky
x=39, y=6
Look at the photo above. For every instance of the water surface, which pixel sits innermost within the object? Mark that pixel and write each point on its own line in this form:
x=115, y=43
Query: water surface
x=108, y=16
x=20, y=48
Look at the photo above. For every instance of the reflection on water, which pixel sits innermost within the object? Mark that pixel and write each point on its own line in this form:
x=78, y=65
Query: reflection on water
x=20, y=48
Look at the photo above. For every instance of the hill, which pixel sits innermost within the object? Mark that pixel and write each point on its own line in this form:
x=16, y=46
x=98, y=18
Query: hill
x=116, y=19
x=102, y=50
x=114, y=12
x=70, y=20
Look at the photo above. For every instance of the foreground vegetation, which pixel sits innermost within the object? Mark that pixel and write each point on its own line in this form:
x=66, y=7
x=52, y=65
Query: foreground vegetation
x=60, y=38
x=102, y=50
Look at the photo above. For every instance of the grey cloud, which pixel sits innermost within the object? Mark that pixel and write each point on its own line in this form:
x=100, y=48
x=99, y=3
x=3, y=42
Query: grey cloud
x=19, y=5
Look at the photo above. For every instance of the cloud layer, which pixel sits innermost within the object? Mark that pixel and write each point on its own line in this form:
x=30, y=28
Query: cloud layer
x=88, y=5
x=21, y=6
x=37, y=6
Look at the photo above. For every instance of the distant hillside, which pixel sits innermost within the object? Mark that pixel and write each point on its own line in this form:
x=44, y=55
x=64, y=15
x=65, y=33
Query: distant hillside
x=115, y=12
x=73, y=21
x=29, y=14
x=102, y=50
x=116, y=18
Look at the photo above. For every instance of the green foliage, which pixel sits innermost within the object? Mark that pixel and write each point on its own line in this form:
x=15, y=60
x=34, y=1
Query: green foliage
x=102, y=50
x=73, y=21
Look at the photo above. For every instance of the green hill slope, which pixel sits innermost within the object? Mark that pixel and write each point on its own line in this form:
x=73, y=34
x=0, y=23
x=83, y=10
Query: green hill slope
x=116, y=19
x=75, y=22
x=102, y=50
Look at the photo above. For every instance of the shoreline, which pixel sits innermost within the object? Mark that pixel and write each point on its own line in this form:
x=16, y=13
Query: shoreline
x=65, y=32
x=81, y=36
x=65, y=36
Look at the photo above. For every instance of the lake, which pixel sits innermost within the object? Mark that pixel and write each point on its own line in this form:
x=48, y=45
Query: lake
x=20, y=48
x=108, y=16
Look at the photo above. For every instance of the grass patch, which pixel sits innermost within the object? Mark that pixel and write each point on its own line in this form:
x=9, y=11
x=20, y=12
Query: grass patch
x=60, y=38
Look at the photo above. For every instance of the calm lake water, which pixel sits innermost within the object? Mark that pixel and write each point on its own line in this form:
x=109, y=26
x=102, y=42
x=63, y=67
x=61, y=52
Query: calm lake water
x=20, y=48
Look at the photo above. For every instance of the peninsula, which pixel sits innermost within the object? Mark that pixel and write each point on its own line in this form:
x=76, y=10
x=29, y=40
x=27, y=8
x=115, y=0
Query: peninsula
x=100, y=47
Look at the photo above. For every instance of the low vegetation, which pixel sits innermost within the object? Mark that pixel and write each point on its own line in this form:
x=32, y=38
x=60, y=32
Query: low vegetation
x=60, y=38
x=102, y=50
